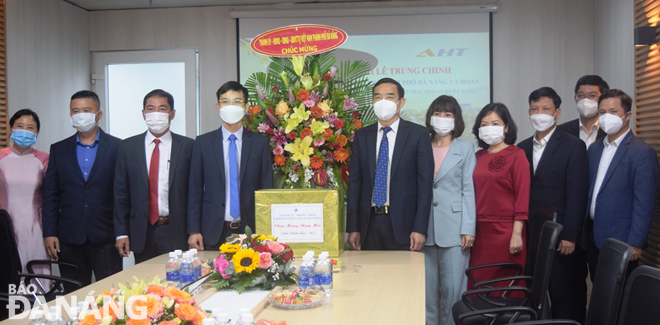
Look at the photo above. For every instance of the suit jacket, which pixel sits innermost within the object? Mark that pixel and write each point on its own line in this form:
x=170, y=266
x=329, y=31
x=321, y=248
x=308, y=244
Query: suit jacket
x=131, y=213
x=560, y=183
x=625, y=202
x=572, y=127
x=411, y=178
x=73, y=209
x=453, y=191
x=206, y=197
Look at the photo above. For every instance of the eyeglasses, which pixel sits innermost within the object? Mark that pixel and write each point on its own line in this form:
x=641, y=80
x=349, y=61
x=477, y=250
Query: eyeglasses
x=236, y=101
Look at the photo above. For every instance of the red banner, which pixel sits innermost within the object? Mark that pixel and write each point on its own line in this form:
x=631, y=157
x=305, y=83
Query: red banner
x=298, y=40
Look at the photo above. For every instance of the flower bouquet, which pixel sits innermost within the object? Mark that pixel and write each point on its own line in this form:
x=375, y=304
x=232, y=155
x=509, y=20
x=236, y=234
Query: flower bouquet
x=309, y=109
x=251, y=260
x=143, y=304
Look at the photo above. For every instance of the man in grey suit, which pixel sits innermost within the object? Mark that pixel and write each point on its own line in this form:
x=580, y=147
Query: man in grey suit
x=227, y=166
x=151, y=184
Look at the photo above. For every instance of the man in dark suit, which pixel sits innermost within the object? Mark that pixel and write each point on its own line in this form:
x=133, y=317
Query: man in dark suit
x=151, y=184
x=391, y=177
x=623, y=178
x=227, y=166
x=78, y=197
x=559, y=185
x=587, y=91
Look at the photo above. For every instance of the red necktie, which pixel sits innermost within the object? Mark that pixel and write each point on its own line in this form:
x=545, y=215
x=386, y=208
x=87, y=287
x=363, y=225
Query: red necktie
x=153, y=184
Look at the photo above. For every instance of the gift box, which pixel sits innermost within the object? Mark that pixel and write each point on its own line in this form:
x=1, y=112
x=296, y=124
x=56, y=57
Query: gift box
x=305, y=219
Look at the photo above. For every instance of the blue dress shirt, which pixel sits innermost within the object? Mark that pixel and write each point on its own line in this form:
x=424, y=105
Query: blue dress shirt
x=86, y=155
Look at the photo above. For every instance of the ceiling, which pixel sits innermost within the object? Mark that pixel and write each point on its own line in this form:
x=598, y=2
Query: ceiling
x=144, y=4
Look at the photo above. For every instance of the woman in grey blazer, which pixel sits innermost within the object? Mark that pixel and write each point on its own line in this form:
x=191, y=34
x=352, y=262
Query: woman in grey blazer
x=452, y=221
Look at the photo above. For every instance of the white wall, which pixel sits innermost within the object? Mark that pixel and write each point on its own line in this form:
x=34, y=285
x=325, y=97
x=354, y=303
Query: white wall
x=47, y=61
x=615, y=43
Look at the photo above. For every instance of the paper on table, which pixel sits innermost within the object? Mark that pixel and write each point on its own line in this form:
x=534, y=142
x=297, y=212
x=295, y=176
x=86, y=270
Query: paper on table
x=231, y=301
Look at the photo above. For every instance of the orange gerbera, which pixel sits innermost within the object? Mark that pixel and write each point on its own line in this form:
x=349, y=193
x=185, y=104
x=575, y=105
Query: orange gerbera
x=155, y=289
x=317, y=112
x=254, y=110
x=179, y=296
x=89, y=319
x=303, y=95
x=357, y=123
x=188, y=312
x=306, y=132
x=316, y=162
x=341, y=140
x=280, y=160
x=341, y=155
x=327, y=134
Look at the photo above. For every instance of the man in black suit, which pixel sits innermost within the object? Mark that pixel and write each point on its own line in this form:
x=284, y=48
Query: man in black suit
x=151, y=184
x=78, y=197
x=587, y=91
x=390, y=179
x=227, y=166
x=559, y=185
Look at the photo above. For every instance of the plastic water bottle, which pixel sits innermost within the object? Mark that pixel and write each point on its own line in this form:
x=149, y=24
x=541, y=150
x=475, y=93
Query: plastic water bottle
x=246, y=319
x=306, y=273
x=37, y=317
x=54, y=316
x=221, y=318
x=186, y=269
x=172, y=268
x=73, y=316
x=179, y=253
x=324, y=274
x=197, y=262
x=209, y=321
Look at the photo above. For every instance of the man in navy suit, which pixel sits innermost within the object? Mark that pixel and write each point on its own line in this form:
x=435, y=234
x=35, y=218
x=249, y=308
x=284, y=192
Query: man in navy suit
x=78, y=197
x=623, y=178
x=391, y=177
x=559, y=184
x=227, y=166
x=151, y=184
x=587, y=91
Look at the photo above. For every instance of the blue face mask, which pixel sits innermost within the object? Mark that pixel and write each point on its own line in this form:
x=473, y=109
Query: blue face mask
x=23, y=138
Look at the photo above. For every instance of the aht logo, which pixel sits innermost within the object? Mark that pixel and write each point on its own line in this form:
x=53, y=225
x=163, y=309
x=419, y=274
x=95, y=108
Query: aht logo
x=442, y=52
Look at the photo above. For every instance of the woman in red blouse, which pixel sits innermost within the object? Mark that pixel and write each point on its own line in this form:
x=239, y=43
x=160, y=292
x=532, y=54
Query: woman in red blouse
x=501, y=184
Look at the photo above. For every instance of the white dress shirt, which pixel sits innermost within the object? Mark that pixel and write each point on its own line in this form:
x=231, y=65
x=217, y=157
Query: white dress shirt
x=605, y=160
x=225, y=151
x=539, y=147
x=165, y=148
x=591, y=137
x=391, y=138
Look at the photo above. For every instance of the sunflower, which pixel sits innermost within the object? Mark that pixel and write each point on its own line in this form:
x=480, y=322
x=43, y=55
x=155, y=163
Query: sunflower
x=245, y=260
x=228, y=248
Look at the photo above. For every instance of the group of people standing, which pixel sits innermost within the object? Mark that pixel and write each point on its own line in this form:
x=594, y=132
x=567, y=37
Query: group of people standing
x=411, y=187
x=462, y=208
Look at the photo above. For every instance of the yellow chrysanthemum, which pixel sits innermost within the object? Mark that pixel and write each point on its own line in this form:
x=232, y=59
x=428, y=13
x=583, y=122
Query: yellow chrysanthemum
x=281, y=108
x=228, y=248
x=245, y=260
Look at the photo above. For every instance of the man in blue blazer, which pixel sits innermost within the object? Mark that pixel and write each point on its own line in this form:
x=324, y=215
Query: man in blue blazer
x=623, y=178
x=151, y=184
x=78, y=195
x=391, y=177
x=559, y=185
x=227, y=166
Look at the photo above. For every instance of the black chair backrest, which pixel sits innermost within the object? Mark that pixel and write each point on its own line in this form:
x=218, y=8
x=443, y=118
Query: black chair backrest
x=8, y=253
x=543, y=265
x=641, y=299
x=550, y=322
x=608, y=284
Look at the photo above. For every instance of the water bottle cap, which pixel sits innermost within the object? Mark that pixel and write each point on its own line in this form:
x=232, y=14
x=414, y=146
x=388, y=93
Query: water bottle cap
x=36, y=314
x=310, y=252
x=172, y=254
x=247, y=318
x=193, y=250
x=224, y=317
x=215, y=312
x=178, y=252
x=325, y=253
x=208, y=321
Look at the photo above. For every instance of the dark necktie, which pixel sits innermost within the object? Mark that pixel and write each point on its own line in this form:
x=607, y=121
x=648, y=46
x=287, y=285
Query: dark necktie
x=153, y=184
x=380, y=184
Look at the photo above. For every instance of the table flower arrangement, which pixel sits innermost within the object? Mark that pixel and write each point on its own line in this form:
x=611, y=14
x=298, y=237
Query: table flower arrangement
x=310, y=109
x=251, y=260
x=140, y=303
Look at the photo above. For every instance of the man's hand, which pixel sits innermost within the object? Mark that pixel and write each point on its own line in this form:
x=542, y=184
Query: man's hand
x=52, y=247
x=417, y=241
x=354, y=240
x=636, y=253
x=467, y=241
x=196, y=241
x=123, y=246
x=566, y=247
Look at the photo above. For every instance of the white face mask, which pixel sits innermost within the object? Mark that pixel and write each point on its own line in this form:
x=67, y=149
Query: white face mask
x=610, y=123
x=157, y=122
x=542, y=122
x=442, y=125
x=84, y=122
x=587, y=107
x=385, y=109
x=492, y=134
x=232, y=114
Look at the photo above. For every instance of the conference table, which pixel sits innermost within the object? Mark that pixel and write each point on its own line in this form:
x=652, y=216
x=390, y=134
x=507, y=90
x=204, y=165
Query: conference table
x=372, y=287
